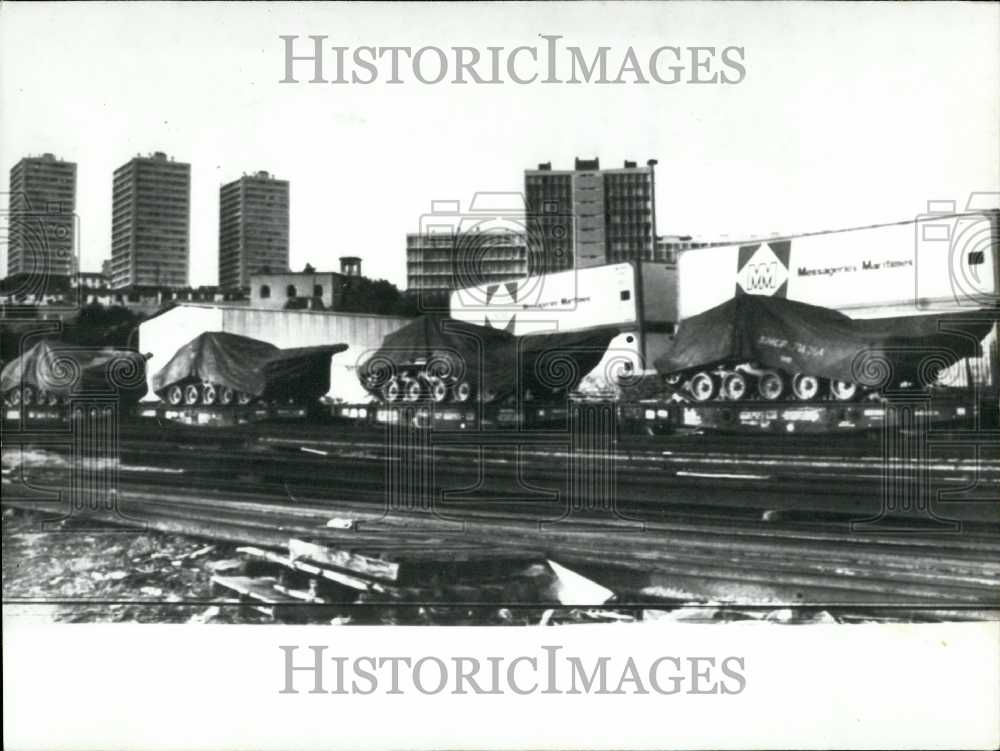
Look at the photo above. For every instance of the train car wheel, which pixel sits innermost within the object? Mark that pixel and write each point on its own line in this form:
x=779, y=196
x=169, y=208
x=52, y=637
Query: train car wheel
x=209, y=394
x=175, y=395
x=391, y=390
x=805, y=387
x=843, y=391
x=771, y=385
x=704, y=386
x=191, y=394
x=734, y=386
x=226, y=395
x=463, y=392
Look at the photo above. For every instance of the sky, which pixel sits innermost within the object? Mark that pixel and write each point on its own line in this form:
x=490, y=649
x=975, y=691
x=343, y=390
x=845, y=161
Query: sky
x=847, y=114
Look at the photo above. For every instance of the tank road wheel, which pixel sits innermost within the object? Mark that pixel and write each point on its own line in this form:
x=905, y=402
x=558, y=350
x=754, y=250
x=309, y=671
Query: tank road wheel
x=843, y=391
x=438, y=390
x=191, y=394
x=391, y=391
x=175, y=395
x=13, y=397
x=462, y=392
x=805, y=387
x=226, y=396
x=52, y=400
x=734, y=386
x=413, y=389
x=243, y=398
x=704, y=386
x=674, y=379
x=209, y=394
x=771, y=385
x=27, y=396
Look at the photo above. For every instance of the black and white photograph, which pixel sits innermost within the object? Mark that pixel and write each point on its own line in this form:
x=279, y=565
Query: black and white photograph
x=500, y=375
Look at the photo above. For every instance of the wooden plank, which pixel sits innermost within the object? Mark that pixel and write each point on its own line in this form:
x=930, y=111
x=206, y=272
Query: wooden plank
x=359, y=564
x=260, y=588
x=339, y=577
x=300, y=594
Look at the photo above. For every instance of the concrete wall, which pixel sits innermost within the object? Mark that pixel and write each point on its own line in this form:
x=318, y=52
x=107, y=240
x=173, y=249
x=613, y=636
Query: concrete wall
x=363, y=334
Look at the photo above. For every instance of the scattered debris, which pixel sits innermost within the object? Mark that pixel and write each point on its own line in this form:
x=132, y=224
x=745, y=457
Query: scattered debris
x=569, y=588
x=336, y=523
x=205, y=616
x=226, y=565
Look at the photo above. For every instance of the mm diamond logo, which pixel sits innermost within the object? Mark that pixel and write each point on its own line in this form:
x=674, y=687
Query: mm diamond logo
x=762, y=271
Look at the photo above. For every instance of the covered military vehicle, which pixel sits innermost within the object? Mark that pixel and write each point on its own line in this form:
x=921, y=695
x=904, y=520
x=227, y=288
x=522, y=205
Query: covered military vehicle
x=51, y=372
x=770, y=348
x=440, y=359
x=221, y=369
x=444, y=360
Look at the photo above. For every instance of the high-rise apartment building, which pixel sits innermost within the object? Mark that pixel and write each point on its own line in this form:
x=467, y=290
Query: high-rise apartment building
x=42, y=234
x=438, y=263
x=253, y=228
x=151, y=222
x=588, y=216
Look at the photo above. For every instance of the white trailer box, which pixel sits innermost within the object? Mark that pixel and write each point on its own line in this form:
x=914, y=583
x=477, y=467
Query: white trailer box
x=638, y=299
x=932, y=264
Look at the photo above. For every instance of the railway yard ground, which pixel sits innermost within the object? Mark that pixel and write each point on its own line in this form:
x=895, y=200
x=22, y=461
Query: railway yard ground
x=329, y=523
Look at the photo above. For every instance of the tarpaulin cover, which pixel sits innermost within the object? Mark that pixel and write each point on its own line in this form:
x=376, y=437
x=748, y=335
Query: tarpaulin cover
x=488, y=358
x=557, y=362
x=69, y=370
x=249, y=365
x=482, y=356
x=779, y=333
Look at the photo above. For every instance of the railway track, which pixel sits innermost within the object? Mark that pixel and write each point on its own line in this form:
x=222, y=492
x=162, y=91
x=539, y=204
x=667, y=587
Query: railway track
x=672, y=536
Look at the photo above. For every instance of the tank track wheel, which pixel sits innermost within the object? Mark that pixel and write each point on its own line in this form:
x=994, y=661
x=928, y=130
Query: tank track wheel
x=191, y=395
x=734, y=386
x=462, y=392
x=175, y=395
x=438, y=391
x=27, y=396
x=805, y=387
x=843, y=391
x=209, y=394
x=413, y=390
x=771, y=385
x=226, y=396
x=703, y=386
x=391, y=391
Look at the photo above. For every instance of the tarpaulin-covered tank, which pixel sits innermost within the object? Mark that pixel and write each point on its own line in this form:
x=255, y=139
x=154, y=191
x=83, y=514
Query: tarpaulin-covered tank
x=52, y=372
x=217, y=368
x=441, y=359
x=753, y=346
x=447, y=360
